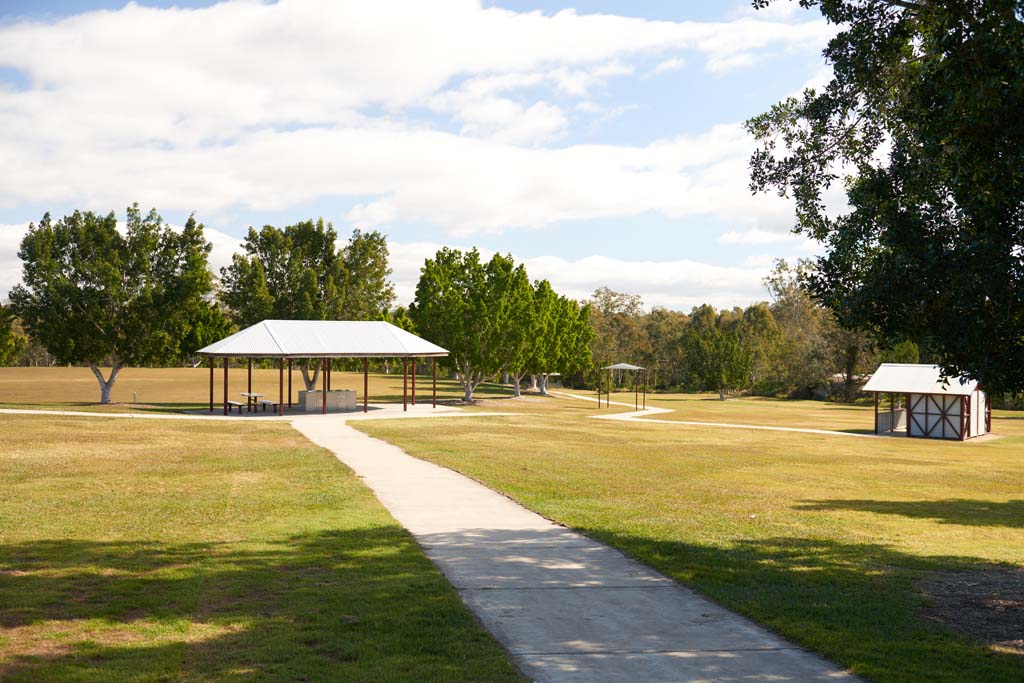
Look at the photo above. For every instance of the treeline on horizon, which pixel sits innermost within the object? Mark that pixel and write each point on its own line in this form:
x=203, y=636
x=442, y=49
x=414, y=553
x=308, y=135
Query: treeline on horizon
x=95, y=296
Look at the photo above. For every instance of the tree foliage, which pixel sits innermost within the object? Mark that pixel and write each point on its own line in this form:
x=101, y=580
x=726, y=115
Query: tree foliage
x=922, y=123
x=12, y=343
x=718, y=360
x=91, y=294
x=299, y=273
x=490, y=319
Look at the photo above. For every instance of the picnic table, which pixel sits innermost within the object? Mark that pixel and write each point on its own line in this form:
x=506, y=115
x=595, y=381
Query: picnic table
x=251, y=398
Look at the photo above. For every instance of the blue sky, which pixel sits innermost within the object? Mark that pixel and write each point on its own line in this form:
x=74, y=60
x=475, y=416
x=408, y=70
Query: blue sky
x=602, y=146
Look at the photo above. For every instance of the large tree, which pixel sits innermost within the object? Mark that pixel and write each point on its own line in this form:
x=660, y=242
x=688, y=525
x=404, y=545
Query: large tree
x=518, y=317
x=94, y=295
x=716, y=355
x=619, y=335
x=451, y=310
x=12, y=344
x=300, y=273
x=805, y=359
x=922, y=123
x=562, y=335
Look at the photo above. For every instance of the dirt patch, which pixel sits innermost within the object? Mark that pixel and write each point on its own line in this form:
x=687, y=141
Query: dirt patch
x=987, y=604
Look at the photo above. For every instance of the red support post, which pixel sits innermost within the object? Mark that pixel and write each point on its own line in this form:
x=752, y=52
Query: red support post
x=213, y=361
x=289, y=382
x=414, y=381
x=280, y=388
x=366, y=385
x=225, y=385
x=405, y=383
x=434, y=396
x=876, y=412
x=248, y=399
x=645, y=390
x=636, y=393
x=323, y=386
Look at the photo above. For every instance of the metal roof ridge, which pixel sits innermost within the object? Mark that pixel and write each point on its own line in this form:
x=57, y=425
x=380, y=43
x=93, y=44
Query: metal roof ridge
x=270, y=331
x=391, y=330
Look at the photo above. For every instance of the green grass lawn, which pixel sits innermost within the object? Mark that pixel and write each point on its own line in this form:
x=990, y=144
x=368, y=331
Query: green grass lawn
x=179, y=389
x=846, y=545
x=181, y=551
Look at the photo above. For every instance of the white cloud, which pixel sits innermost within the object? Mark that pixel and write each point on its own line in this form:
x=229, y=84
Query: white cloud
x=758, y=236
x=759, y=260
x=247, y=104
x=678, y=284
x=10, y=264
x=672, y=64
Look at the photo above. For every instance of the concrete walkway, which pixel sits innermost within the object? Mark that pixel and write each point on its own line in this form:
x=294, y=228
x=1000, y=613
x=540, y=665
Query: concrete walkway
x=566, y=607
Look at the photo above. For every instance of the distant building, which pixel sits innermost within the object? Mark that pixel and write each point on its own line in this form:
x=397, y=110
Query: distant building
x=923, y=404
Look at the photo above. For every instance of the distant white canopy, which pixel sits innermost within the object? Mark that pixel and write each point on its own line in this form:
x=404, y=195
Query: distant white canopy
x=323, y=339
x=908, y=378
x=623, y=366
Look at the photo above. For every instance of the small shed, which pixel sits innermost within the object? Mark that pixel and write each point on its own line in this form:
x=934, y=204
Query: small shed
x=924, y=404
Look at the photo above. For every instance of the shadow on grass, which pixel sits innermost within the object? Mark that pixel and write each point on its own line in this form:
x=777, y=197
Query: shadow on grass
x=950, y=511
x=341, y=605
x=857, y=604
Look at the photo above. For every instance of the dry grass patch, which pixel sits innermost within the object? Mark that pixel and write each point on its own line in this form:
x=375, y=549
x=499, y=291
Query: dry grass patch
x=825, y=538
x=155, y=550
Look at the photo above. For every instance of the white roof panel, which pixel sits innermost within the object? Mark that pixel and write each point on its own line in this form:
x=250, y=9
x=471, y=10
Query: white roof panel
x=907, y=378
x=622, y=366
x=323, y=339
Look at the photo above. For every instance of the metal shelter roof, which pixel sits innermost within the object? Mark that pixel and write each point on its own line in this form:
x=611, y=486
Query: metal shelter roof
x=623, y=366
x=323, y=339
x=908, y=378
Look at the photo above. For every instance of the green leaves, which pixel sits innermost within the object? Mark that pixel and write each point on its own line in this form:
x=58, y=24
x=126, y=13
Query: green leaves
x=12, y=344
x=490, y=319
x=90, y=293
x=299, y=273
x=924, y=116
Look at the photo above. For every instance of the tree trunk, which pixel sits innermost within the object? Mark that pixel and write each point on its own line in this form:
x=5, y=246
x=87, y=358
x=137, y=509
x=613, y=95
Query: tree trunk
x=533, y=382
x=544, y=384
x=721, y=394
x=310, y=381
x=505, y=377
x=516, y=379
x=467, y=383
x=106, y=384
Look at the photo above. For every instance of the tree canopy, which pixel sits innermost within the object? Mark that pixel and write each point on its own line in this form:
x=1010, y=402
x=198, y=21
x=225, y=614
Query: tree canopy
x=922, y=125
x=91, y=294
x=300, y=273
x=12, y=344
x=490, y=319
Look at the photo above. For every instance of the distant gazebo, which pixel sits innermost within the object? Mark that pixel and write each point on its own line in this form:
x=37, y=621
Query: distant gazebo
x=636, y=370
x=925, y=404
x=321, y=341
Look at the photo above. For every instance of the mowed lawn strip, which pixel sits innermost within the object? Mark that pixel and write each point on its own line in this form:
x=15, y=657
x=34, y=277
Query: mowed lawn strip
x=178, y=389
x=829, y=540
x=182, y=551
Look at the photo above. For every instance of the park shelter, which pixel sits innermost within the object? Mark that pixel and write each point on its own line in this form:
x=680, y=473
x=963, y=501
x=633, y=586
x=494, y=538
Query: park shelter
x=636, y=370
x=322, y=341
x=925, y=404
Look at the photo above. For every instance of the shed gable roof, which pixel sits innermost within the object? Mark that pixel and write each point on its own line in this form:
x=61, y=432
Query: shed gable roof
x=909, y=378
